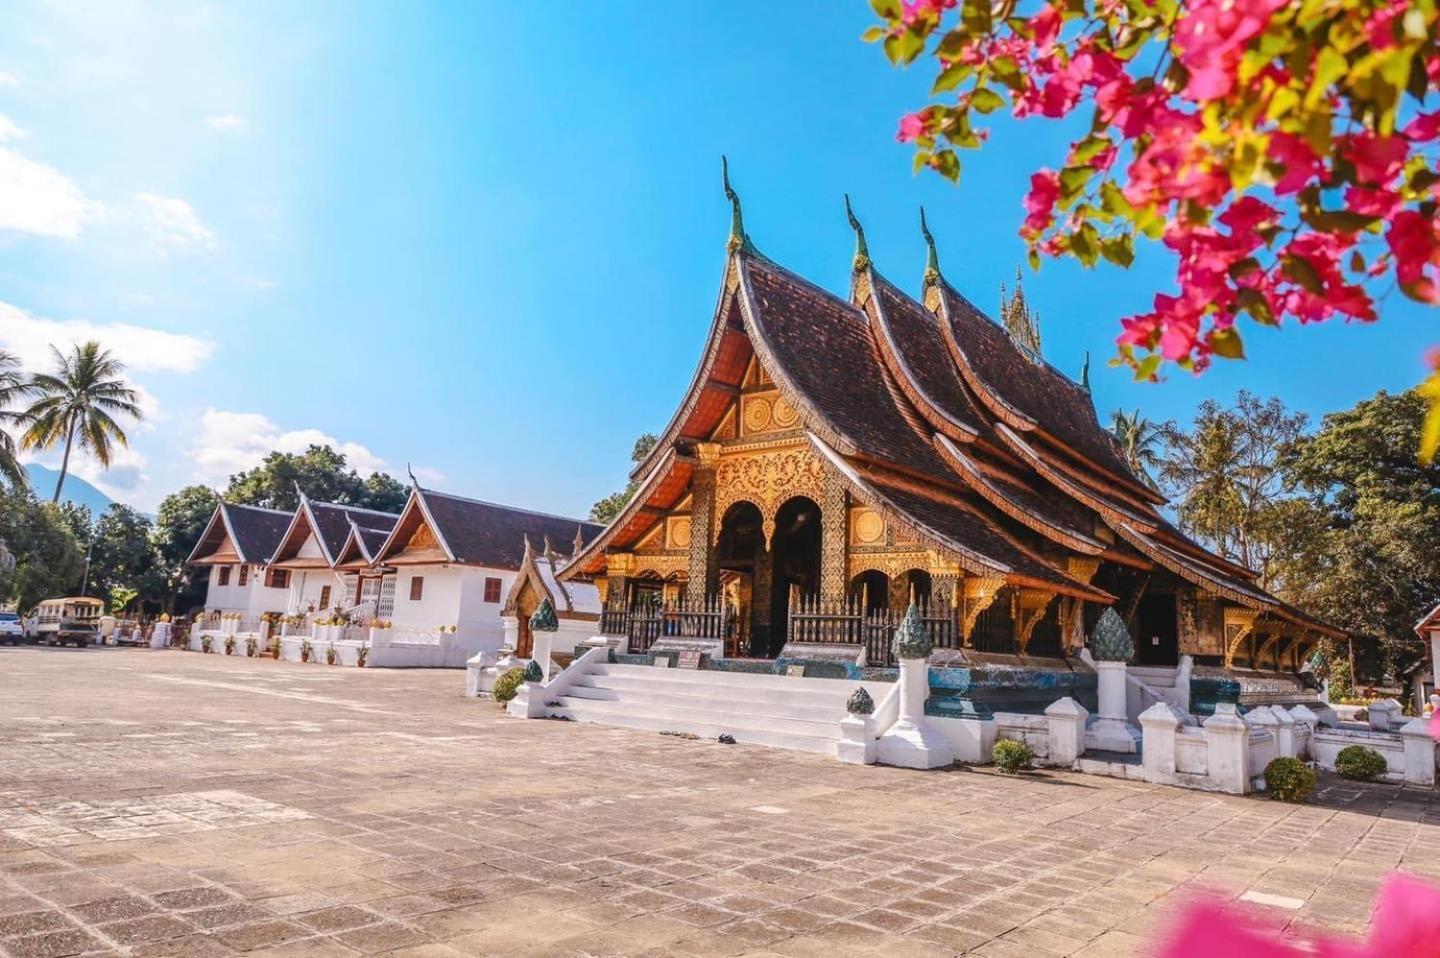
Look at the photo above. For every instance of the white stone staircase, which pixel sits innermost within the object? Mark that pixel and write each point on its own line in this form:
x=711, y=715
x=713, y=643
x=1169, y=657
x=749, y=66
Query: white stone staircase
x=779, y=711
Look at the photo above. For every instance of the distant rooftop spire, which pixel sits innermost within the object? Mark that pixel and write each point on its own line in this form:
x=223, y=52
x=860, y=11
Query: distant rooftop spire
x=298, y=491
x=738, y=238
x=1085, y=372
x=932, y=259
x=862, y=252
x=411, y=473
x=1020, y=322
x=579, y=540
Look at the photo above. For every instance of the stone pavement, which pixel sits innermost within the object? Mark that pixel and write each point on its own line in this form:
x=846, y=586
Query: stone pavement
x=172, y=803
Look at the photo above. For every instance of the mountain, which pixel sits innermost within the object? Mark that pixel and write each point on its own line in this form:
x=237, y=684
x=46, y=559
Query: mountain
x=77, y=490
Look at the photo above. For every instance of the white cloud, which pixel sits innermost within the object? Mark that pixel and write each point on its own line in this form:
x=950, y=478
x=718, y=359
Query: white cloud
x=40, y=200
x=141, y=348
x=8, y=79
x=228, y=123
x=260, y=283
x=428, y=476
x=230, y=442
x=173, y=222
x=9, y=131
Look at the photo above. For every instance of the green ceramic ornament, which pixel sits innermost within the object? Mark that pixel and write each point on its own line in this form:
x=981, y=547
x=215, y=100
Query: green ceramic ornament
x=860, y=702
x=1110, y=642
x=912, y=640
x=544, y=618
x=533, y=672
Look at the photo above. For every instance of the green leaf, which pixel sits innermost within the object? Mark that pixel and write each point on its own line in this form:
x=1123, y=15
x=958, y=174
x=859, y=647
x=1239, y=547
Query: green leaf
x=1084, y=243
x=903, y=47
x=986, y=100
x=1300, y=270
x=887, y=9
x=1330, y=66
x=872, y=34
x=947, y=164
x=976, y=16
x=1119, y=250
x=1007, y=71
x=1072, y=182
x=953, y=44
x=950, y=78
x=1257, y=306
x=1089, y=148
x=1226, y=343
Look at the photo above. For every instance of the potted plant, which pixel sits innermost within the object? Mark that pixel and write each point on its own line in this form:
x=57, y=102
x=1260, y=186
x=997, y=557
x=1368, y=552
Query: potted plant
x=361, y=654
x=229, y=645
x=306, y=650
x=252, y=647
x=207, y=644
x=332, y=657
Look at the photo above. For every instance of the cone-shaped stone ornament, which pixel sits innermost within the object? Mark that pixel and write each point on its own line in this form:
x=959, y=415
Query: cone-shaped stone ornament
x=533, y=672
x=912, y=640
x=544, y=618
x=860, y=702
x=1110, y=642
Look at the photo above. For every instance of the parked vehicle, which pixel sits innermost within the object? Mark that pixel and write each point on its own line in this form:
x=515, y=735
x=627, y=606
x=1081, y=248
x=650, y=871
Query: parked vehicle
x=12, y=630
x=73, y=621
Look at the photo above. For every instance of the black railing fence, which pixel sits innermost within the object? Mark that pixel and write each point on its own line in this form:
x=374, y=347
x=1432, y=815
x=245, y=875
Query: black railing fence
x=813, y=619
x=643, y=623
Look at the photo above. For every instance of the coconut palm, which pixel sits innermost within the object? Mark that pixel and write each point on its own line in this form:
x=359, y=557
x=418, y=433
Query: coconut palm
x=1139, y=440
x=78, y=402
x=14, y=385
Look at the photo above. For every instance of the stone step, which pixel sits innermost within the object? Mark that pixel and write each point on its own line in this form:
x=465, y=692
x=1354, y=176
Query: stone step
x=705, y=726
x=682, y=717
x=714, y=677
x=685, y=699
x=834, y=694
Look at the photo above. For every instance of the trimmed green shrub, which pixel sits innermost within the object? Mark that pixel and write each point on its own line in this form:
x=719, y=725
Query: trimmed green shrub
x=1289, y=780
x=1011, y=756
x=1360, y=763
x=508, y=684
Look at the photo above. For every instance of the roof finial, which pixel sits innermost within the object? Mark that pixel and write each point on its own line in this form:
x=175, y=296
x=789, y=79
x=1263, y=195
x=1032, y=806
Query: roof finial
x=529, y=550
x=862, y=252
x=411, y=473
x=738, y=240
x=932, y=259
x=579, y=540
x=300, y=493
x=1085, y=373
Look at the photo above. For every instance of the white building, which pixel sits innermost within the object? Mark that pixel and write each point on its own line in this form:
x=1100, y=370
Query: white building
x=312, y=550
x=236, y=548
x=454, y=561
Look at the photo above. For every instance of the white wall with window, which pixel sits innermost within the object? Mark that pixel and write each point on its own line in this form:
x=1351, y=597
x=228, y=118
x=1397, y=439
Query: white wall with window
x=246, y=589
x=469, y=597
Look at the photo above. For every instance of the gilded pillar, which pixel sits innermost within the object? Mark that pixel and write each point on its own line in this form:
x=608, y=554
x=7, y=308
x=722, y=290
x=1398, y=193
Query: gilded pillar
x=834, y=538
x=618, y=566
x=703, y=576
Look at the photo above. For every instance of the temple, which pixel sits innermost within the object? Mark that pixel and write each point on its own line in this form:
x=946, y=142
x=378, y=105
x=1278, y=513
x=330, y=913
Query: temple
x=834, y=459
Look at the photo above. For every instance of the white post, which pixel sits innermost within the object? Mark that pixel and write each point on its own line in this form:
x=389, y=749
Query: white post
x=1227, y=749
x=540, y=643
x=1182, y=682
x=1306, y=722
x=160, y=635
x=1066, y=718
x=1285, y=738
x=857, y=740
x=1382, y=714
x=1419, y=753
x=911, y=742
x=1111, y=732
x=1158, y=724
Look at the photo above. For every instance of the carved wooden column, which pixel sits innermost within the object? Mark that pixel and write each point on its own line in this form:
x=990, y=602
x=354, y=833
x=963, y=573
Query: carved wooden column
x=703, y=576
x=618, y=566
x=834, y=539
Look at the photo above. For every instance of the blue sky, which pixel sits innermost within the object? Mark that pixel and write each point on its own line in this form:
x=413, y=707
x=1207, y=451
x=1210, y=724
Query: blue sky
x=489, y=245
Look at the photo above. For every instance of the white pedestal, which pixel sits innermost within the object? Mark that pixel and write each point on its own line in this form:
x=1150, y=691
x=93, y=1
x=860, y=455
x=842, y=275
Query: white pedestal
x=160, y=636
x=1066, y=720
x=1110, y=731
x=1420, y=748
x=857, y=740
x=911, y=742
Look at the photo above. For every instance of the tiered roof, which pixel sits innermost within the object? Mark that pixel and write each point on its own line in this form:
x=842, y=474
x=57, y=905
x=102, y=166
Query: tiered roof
x=239, y=534
x=329, y=526
x=934, y=414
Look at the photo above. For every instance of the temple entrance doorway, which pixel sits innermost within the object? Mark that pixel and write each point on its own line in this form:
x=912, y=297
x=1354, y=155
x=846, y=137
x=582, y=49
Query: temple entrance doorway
x=912, y=585
x=744, y=566
x=525, y=605
x=796, y=550
x=870, y=591
x=1157, y=632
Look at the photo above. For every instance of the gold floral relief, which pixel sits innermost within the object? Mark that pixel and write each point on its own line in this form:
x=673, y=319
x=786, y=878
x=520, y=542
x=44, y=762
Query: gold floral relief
x=868, y=527
x=679, y=532
x=757, y=413
x=767, y=478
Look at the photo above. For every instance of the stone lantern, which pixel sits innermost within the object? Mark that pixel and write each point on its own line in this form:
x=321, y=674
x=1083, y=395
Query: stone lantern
x=1110, y=649
x=912, y=742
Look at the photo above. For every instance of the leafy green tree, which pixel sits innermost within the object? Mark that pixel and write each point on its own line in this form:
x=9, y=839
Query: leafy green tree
x=49, y=560
x=14, y=386
x=179, y=523
x=1139, y=440
x=1226, y=475
x=1364, y=556
x=123, y=555
x=79, y=401
x=322, y=473
x=608, y=508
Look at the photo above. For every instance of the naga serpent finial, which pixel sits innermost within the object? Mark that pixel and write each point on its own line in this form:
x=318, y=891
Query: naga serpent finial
x=932, y=259
x=862, y=251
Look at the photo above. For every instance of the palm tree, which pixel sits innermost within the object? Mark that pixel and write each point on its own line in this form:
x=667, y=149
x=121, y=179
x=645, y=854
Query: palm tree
x=78, y=402
x=1139, y=440
x=13, y=386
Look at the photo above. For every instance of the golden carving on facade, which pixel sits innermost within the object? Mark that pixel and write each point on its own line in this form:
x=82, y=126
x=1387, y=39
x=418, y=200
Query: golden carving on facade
x=1072, y=622
x=619, y=563
x=679, y=532
x=661, y=566
x=1083, y=569
x=767, y=478
x=1239, y=623
x=892, y=564
x=862, y=290
x=1032, y=603
x=980, y=594
x=785, y=416
x=756, y=413
x=868, y=525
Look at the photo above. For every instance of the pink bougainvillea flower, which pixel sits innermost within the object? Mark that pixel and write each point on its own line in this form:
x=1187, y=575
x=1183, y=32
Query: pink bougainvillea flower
x=1211, y=38
x=1040, y=201
x=1426, y=126
x=1208, y=931
x=1435, y=718
x=1046, y=26
x=912, y=126
x=1377, y=159
x=1300, y=162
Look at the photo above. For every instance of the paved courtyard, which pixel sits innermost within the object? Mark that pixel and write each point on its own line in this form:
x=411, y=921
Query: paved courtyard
x=169, y=803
